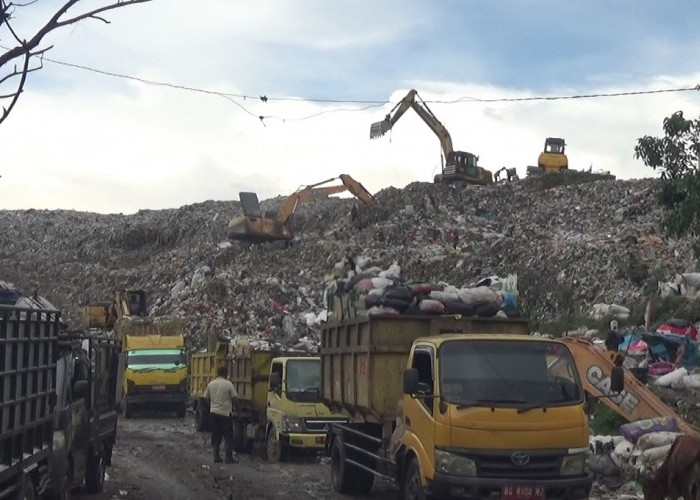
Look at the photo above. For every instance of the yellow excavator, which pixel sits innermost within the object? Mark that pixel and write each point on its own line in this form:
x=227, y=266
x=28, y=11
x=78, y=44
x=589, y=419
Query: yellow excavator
x=457, y=166
x=254, y=227
x=106, y=314
x=552, y=159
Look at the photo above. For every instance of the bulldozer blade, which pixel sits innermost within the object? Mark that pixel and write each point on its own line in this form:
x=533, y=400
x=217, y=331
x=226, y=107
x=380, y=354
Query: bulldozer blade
x=378, y=129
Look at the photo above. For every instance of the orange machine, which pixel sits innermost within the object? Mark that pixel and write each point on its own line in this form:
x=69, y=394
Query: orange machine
x=636, y=402
x=254, y=227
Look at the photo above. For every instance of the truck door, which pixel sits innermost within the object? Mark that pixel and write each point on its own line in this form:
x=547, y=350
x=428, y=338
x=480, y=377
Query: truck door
x=420, y=412
x=274, y=394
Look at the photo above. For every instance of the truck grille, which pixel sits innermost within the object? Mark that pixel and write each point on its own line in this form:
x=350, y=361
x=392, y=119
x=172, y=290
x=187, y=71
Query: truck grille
x=155, y=389
x=449, y=170
x=322, y=424
x=539, y=465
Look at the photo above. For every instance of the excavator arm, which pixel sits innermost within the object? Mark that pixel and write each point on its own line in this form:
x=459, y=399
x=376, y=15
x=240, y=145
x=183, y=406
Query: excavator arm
x=635, y=402
x=313, y=192
x=421, y=108
x=458, y=166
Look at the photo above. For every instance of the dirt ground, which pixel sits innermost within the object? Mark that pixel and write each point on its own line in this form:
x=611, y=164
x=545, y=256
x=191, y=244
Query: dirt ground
x=164, y=458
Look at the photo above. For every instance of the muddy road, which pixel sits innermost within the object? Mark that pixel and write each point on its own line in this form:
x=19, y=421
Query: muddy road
x=164, y=458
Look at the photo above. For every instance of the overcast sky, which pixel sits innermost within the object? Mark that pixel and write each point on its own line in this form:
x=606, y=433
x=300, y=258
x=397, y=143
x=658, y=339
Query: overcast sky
x=83, y=140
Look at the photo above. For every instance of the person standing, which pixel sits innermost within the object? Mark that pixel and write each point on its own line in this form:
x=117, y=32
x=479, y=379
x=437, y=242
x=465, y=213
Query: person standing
x=220, y=394
x=614, y=339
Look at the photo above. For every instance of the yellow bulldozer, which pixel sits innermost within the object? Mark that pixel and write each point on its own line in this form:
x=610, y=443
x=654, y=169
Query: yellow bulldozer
x=254, y=227
x=552, y=159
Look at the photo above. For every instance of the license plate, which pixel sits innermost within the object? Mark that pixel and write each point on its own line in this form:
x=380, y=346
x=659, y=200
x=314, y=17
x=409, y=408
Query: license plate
x=158, y=387
x=523, y=493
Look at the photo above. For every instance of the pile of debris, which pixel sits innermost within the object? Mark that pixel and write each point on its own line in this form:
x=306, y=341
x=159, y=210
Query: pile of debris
x=372, y=291
x=628, y=464
x=597, y=242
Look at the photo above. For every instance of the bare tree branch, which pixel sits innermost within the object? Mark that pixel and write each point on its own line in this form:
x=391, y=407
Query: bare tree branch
x=26, y=49
x=14, y=98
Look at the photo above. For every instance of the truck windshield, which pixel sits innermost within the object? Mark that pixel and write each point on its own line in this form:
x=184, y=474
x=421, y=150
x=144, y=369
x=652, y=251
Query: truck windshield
x=155, y=359
x=303, y=380
x=520, y=375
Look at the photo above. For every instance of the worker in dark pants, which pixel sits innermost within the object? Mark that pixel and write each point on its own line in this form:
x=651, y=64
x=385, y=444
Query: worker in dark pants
x=220, y=394
x=614, y=338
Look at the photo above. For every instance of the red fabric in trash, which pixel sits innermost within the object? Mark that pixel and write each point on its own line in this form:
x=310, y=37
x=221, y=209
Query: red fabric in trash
x=661, y=368
x=679, y=330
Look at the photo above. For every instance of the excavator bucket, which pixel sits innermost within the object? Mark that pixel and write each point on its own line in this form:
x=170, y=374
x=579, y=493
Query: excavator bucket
x=378, y=129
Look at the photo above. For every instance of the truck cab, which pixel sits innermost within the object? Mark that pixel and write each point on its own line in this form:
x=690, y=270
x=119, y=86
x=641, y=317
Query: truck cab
x=486, y=416
x=295, y=414
x=156, y=374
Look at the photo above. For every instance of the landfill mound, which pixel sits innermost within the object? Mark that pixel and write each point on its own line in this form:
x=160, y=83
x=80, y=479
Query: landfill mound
x=599, y=242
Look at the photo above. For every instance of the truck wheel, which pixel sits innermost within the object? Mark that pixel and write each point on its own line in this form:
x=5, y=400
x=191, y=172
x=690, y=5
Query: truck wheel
x=247, y=443
x=182, y=411
x=412, y=486
x=29, y=489
x=95, y=474
x=202, y=419
x=341, y=479
x=363, y=480
x=275, y=451
x=198, y=419
x=63, y=492
x=126, y=409
x=237, y=435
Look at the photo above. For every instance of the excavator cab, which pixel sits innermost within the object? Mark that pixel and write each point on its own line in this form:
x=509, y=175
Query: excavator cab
x=254, y=227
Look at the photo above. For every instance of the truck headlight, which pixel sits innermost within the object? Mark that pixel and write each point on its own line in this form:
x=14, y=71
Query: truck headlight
x=573, y=465
x=455, y=465
x=290, y=423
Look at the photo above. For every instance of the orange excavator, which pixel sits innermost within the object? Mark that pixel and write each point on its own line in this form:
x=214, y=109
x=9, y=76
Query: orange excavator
x=254, y=227
x=635, y=402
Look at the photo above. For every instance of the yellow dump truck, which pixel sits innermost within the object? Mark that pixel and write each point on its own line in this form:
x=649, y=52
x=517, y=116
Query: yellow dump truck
x=454, y=407
x=155, y=377
x=278, y=406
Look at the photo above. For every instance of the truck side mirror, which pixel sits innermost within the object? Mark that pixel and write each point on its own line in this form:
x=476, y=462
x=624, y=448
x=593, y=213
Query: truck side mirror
x=80, y=389
x=275, y=381
x=617, y=380
x=410, y=381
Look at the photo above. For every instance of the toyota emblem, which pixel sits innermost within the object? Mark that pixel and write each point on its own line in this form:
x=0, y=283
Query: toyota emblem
x=520, y=459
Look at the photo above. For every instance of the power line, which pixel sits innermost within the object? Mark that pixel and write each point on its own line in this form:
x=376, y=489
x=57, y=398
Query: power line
x=368, y=103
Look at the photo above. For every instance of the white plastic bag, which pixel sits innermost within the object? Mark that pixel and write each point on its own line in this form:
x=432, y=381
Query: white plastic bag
x=443, y=296
x=477, y=296
x=670, y=378
x=656, y=439
x=657, y=454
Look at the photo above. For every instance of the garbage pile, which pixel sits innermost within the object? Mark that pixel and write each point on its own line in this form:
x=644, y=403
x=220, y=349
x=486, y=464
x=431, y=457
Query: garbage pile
x=584, y=238
x=371, y=292
x=625, y=462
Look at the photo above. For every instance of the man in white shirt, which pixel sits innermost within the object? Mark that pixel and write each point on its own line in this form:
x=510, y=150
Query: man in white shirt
x=220, y=393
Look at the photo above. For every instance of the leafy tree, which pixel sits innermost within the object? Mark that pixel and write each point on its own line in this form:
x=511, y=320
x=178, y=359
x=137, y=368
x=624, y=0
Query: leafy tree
x=676, y=155
x=26, y=54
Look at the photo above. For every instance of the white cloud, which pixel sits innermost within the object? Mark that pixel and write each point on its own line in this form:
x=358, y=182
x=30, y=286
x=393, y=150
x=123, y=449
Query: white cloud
x=79, y=140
